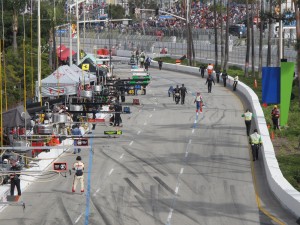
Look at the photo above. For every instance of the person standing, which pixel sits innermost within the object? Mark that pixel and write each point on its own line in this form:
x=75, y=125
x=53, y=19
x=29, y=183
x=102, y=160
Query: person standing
x=176, y=93
x=199, y=102
x=210, y=69
x=118, y=110
x=218, y=73
x=183, y=91
x=170, y=91
x=235, y=82
x=224, y=77
x=209, y=82
x=15, y=177
x=256, y=142
x=78, y=166
x=202, y=70
x=248, y=117
x=77, y=133
x=275, y=114
x=160, y=62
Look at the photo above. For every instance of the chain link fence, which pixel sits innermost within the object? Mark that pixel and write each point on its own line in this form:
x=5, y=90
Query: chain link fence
x=175, y=42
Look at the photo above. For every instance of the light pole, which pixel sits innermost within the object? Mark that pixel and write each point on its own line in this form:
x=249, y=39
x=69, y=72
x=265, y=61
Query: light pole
x=39, y=52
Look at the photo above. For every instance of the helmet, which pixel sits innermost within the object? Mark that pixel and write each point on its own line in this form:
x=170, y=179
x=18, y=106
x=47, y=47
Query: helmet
x=275, y=106
x=5, y=161
x=78, y=158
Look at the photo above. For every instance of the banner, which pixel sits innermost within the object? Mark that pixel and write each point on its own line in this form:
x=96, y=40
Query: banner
x=271, y=85
x=286, y=81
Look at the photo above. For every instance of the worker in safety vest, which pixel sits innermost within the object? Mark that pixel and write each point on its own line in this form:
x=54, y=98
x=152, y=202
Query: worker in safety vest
x=248, y=117
x=78, y=177
x=255, y=141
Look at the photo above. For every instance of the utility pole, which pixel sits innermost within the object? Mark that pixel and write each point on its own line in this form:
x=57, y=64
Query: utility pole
x=39, y=53
x=189, y=49
x=280, y=56
x=71, y=43
x=77, y=25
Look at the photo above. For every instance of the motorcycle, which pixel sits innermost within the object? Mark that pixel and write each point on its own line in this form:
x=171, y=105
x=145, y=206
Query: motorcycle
x=177, y=98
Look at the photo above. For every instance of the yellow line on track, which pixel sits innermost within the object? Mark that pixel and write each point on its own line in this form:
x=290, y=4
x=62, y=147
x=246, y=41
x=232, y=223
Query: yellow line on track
x=261, y=208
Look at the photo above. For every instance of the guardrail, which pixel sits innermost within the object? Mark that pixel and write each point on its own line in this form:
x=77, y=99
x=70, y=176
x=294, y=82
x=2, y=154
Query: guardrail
x=287, y=195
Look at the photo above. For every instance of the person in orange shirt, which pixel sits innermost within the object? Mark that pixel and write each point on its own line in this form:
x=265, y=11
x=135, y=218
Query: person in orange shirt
x=210, y=69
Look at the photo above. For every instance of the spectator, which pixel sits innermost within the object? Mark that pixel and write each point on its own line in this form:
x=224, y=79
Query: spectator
x=77, y=134
x=275, y=114
x=15, y=177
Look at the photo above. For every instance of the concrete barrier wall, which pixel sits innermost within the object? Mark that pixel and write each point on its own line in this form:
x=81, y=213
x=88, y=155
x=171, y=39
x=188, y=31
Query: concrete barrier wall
x=288, y=196
x=46, y=160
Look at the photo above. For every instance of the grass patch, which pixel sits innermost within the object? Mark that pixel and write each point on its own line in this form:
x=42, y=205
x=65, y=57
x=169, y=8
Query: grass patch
x=287, y=140
x=291, y=172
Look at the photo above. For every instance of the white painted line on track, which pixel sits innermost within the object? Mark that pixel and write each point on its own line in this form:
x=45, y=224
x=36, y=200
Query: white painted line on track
x=170, y=215
x=190, y=141
x=176, y=189
x=138, y=132
x=145, y=123
x=76, y=221
x=131, y=143
x=110, y=172
x=181, y=171
x=154, y=109
x=193, y=131
x=186, y=154
x=150, y=115
x=121, y=156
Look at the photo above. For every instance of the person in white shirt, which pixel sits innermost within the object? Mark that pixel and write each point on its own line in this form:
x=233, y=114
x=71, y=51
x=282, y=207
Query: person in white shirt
x=78, y=166
x=199, y=102
x=235, y=81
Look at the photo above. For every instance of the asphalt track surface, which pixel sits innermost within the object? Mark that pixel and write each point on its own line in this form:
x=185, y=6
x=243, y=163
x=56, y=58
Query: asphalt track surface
x=170, y=167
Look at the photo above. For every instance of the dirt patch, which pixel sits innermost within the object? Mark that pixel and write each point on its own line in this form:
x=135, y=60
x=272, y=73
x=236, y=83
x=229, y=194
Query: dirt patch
x=282, y=146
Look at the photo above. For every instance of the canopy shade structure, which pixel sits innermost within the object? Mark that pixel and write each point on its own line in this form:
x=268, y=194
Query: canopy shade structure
x=60, y=48
x=64, y=81
x=16, y=117
x=103, y=51
x=64, y=55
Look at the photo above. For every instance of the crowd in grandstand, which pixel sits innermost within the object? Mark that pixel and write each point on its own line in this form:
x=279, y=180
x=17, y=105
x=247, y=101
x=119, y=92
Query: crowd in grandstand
x=201, y=17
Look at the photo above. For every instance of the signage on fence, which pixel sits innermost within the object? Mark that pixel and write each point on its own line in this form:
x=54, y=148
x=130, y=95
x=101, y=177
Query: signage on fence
x=85, y=66
x=112, y=132
x=60, y=166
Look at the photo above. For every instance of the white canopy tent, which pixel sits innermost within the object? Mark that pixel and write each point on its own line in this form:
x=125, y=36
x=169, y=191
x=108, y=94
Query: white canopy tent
x=64, y=81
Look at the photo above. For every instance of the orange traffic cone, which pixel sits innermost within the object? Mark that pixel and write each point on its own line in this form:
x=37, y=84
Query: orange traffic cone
x=272, y=135
x=255, y=83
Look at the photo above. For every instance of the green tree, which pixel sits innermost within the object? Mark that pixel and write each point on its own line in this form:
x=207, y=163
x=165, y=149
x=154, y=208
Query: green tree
x=116, y=12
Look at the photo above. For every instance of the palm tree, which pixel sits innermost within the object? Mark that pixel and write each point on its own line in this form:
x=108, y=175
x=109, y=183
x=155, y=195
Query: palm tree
x=252, y=40
x=216, y=34
x=269, y=35
x=248, y=42
x=222, y=39
x=262, y=23
x=227, y=37
x=297, y=13
x=17, y=7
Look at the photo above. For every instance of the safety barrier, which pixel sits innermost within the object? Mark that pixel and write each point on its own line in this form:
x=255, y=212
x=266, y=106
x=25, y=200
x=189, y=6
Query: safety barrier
x=288, y=196
x=41, y=165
